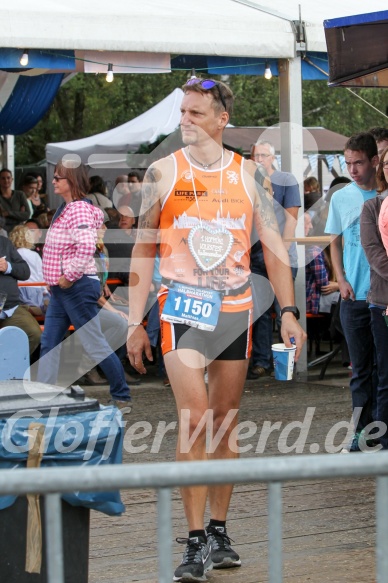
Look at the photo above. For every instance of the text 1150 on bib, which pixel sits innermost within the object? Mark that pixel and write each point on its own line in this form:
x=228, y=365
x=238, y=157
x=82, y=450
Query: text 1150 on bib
x=192, y=306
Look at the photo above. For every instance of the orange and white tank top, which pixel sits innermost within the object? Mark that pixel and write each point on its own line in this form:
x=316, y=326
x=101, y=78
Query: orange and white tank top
x=223, y=203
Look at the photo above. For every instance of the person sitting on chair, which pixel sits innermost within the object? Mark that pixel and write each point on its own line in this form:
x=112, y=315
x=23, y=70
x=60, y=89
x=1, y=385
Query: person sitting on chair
x=13, y=269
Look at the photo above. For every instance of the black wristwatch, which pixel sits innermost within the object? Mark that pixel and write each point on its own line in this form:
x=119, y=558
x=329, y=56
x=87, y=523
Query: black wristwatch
x=293, y=309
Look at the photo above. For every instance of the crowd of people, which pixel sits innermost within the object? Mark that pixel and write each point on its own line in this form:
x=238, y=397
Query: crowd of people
x=70, y=262
x=214, y=248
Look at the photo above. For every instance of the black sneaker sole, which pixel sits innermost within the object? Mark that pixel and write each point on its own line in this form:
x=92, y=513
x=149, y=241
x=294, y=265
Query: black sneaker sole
x=227, y=564
x=189, y=578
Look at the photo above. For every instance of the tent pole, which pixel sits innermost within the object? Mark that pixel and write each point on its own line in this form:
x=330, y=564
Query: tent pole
x=291, y=135
x=9, y=153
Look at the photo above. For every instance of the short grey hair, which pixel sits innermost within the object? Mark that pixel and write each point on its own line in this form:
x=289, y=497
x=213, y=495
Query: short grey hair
x=268, y=144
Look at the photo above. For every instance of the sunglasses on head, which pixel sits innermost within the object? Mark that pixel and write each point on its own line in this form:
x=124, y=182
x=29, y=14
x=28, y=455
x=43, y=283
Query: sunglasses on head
x=207, y=84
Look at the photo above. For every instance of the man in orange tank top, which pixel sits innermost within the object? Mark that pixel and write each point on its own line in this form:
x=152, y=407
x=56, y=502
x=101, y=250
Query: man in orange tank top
x=203, y=200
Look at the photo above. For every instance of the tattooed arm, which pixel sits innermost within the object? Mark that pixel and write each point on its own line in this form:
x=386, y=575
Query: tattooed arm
x=275, y=254
x=142, y=261
x=276, y=262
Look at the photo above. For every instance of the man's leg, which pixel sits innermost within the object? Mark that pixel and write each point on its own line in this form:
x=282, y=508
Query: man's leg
x=22, y=319
x=356, y=324
x=185, y=369
x=261, y=344
x=226, y=383
x=263, y=298
x=380, y=336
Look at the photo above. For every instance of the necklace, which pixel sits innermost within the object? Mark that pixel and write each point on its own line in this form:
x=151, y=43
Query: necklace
x=206, y=166
x=209, y=245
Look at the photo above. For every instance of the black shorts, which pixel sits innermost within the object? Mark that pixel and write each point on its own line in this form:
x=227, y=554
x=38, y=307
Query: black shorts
x=230, y=340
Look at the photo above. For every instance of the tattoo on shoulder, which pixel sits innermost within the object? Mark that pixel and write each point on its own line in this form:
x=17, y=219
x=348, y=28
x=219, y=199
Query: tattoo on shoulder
x=265, y=210
x=150, y=192
x=150, y=196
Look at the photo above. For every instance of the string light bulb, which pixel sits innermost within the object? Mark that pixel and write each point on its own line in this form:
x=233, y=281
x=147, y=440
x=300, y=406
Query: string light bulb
x=109, y=75
x=267, y=72
x=24, y=58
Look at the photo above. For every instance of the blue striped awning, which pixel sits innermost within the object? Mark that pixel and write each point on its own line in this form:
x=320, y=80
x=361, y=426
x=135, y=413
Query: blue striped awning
x=28, y=102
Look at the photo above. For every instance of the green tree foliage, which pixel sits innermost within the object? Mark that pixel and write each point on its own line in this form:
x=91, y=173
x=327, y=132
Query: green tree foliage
x=257, y=100
x=340, y=110
x=87, y=105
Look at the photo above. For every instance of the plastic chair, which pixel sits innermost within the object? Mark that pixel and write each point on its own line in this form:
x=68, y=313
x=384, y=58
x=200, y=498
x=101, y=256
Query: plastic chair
x=14, y=354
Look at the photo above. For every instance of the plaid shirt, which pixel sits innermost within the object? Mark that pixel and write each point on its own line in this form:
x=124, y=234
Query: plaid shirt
x=316, y=276
x=71, y=243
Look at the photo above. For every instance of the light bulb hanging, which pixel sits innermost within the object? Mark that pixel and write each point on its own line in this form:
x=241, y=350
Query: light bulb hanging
x=267, y=72
x=109, y=75
x=24, y=58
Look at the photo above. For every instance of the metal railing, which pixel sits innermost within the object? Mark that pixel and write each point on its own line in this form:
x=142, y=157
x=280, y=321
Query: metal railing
x=165, y=476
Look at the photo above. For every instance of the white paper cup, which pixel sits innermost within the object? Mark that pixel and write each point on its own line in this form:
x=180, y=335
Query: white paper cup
x=283, y=360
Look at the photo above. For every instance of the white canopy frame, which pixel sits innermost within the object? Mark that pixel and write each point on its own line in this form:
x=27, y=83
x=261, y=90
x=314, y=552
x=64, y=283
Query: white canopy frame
x=221, y=27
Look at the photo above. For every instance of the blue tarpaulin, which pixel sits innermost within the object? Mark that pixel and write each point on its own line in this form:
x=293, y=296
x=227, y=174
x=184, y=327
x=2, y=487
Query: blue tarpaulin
x=89, y=438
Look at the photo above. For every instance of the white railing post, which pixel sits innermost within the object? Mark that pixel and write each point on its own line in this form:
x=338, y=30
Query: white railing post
x=275, y=533
x=164, y=535
x=382, y=529
x=54, y=539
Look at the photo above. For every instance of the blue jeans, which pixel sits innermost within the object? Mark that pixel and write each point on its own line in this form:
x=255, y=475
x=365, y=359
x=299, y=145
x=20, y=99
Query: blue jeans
x=380, y=337
x=262, y=337
x=115, y=330
x=356, y=324
x=153, y=332
x=77, y=305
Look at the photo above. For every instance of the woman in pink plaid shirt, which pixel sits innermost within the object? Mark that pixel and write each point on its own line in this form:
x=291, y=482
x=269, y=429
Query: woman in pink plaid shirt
x=70, y=270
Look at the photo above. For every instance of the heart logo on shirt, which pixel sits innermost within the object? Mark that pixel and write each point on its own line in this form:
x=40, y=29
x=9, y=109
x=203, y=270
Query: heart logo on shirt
x=209, y=247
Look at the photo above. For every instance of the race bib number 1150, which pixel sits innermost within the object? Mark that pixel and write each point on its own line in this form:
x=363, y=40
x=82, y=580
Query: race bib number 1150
x=192, y=306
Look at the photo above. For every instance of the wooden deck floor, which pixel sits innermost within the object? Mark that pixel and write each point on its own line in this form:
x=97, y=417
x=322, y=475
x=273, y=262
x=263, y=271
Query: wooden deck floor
x=329, y=526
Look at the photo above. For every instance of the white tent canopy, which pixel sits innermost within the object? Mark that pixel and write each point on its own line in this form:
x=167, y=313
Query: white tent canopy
x=235, y=28
x=162, y=119
x=220, y=27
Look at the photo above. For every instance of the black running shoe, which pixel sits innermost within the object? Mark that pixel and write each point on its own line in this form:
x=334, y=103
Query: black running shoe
x=222, y=554
x=195, y=563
